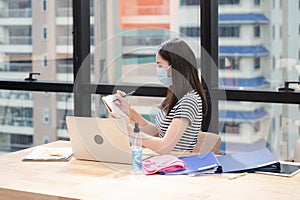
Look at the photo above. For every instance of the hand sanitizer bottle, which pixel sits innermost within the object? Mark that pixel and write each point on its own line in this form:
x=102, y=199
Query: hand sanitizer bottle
x=137, y=150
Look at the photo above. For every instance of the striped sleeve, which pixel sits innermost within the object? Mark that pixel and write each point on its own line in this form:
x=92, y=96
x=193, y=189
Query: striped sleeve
x=187, y=108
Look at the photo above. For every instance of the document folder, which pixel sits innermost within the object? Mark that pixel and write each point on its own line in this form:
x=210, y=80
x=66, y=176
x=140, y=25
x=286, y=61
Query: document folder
x=247, y=161
x=238, y=162
x=198, y=163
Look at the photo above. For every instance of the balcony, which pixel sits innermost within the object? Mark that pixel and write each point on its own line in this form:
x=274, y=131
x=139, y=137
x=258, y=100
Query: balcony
x=65, y=40
x=8, y=95
x=68, y=40
x=64, y=12
x=16, y=121
x=64, y=72
x=26, y=40
x=141, y=45
x=16, y=44
x=16, y=13
x=65, y=69
x=16, y=67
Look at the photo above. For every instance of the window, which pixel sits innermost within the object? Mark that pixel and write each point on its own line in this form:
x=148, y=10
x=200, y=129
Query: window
x=273, y=32
x=18, y=141
x=257, y=2
x=19, y=35
x=44, y=5
x=256, y=31
x=44, y=32
x=280, y=32
x=280, y=121
x=256, y=63
x=229, y=31
x=45, y=60
x=46, y=116
x=190, y=31
x=231, y=128
x=46, y=139
x=228, y=2
x=229, y=63
x=189, y=2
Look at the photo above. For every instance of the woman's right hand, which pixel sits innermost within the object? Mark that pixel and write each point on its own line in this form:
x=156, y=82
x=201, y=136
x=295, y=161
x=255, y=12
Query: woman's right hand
x=122, y=102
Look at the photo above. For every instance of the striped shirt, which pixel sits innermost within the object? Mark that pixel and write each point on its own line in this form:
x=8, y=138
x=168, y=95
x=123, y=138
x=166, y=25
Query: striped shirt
x=189, y=107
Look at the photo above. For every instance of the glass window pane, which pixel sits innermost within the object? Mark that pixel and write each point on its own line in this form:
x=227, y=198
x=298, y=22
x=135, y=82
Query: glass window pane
x=267, y=45
x=246, y=126
x=39, y=41
x=32, y=118
x=262, y=58
x=127, y=34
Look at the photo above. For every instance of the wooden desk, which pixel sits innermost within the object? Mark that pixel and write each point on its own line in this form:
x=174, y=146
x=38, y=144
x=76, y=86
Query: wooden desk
x=93, y=180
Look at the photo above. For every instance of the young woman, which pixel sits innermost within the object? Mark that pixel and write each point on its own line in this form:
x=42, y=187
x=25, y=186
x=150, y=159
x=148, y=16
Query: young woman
x=178, y=123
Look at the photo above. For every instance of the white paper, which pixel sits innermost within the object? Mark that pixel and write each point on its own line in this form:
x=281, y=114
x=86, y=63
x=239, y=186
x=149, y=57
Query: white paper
x=49, y=153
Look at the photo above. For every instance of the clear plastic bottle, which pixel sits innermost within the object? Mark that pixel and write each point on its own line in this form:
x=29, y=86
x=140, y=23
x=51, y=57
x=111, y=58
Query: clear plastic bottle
x=137, y=150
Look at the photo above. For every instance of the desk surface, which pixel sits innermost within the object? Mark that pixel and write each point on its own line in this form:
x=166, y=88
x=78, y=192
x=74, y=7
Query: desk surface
x=94, y=180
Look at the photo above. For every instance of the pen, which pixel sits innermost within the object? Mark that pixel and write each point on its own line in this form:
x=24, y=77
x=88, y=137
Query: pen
x=237, y=176
x=56, y=154
x=127, y=94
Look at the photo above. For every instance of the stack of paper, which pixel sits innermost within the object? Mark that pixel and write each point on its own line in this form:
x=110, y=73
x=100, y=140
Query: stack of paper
x=41, y=153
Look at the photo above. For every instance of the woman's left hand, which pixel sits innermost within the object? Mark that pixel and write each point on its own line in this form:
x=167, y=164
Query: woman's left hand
x=116, y=116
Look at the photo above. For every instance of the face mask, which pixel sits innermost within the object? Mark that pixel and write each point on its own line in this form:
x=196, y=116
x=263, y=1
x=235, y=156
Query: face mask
x=162, y=75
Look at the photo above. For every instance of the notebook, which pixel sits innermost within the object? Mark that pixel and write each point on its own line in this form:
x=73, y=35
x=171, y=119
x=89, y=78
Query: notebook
x=99, y=139
x=111, y=106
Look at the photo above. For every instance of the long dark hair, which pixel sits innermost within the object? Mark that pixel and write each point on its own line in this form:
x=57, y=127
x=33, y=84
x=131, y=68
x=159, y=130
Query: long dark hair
x=185, y=76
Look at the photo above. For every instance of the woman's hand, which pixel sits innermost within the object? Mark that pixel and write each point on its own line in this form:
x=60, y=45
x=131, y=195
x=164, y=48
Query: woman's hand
x=116, y=116
x=122, y=103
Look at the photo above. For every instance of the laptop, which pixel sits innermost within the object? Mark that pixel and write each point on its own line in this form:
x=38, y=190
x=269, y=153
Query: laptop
x=99, y=139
